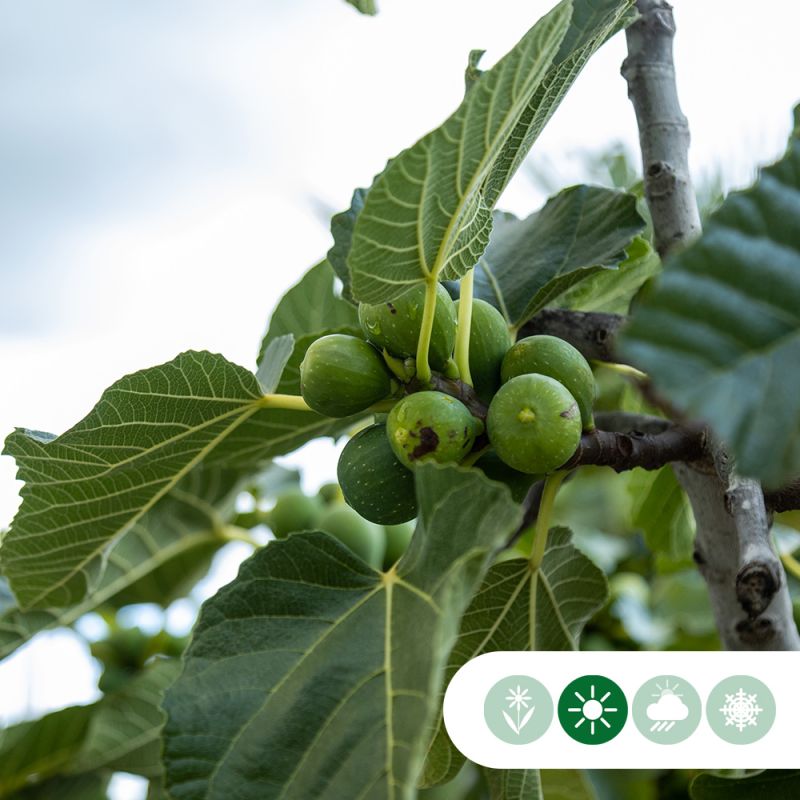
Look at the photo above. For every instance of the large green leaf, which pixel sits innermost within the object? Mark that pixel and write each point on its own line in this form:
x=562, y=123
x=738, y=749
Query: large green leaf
x=85, y=488
x=534, y=784
x=120, y=732
x=342, y=225
x=580, y=232
x=566, y=784
x=124, y=733
x=425, y=216
x=518, y=608
x=769, y=785
x=309, y=307
x=92, y=786
x=429, y=212
x=720, y=336
x=43, y=747
x=319, y=676
x=663, y=512
x=157, y=560
x=592, y=23
x=514, y=784
x=612, y=290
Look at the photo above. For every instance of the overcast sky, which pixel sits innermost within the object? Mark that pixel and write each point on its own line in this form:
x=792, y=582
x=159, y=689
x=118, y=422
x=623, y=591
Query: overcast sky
x=166, y=170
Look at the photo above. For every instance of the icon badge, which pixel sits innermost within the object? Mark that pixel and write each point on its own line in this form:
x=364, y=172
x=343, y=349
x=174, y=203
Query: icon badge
x=592, y=709
x=741, y=709
x=518, y=709
x=667, y=709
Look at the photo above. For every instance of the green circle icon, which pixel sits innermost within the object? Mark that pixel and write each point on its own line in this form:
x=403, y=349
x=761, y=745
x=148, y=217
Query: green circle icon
x=592, y=709
x=741, y=709
x=518, y=709
x=667, y=709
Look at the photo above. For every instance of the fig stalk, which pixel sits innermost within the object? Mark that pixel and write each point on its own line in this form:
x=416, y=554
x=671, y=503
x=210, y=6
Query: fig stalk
x=464, y=327
x=551, y=486
x=423, y=346
x=288, y=401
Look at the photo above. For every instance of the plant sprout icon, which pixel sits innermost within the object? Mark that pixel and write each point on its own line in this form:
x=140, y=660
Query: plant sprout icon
x=592, y=710
x=668, y=710
x=518, y=698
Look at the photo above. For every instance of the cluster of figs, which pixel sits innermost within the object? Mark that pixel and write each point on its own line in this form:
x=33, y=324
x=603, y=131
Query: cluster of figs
x=532, y=401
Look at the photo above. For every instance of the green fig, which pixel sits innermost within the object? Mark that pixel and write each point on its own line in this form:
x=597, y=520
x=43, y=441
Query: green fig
x=551, y=356
x=534, y=424
x=489, y=341
x=396, y=326
x=342, y=375
x=364, y=538
x=294, y=511
x=373, y=481
x=431, y=426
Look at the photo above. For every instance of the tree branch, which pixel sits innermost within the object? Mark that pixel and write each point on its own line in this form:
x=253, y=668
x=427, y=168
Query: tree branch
x=745, y=578
x=592, y=333
x=624, y=451
x=787, y=498
x=733, y=551
x=663, y=129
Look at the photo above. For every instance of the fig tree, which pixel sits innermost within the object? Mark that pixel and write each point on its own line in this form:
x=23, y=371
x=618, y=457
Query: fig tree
x=342, y=375
x=551, y=356
x=431, y=426
x=364, y=538
x=534, y=423
x=294, y=511
x=373, y=481
x=396, y=325
x=489, y=340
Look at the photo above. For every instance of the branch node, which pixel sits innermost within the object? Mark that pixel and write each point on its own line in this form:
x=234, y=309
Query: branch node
x=756, y=585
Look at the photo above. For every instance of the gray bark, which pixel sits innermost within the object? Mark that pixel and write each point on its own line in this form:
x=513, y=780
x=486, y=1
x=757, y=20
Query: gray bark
x=663, y=129
x=745, y=578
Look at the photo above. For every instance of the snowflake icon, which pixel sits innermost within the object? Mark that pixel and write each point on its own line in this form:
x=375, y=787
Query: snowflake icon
x=741, y=710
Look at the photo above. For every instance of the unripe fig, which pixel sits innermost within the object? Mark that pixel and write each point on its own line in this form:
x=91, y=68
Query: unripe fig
x=294, y=511
x=534, y=423
x=364, y=538
x=431, y=426
x=373, y=481
x=342, y=375
x=494, y=468
x=330, y=493
x=396, y=325
x=489, y=340
x=551, y=356
x=398, y=537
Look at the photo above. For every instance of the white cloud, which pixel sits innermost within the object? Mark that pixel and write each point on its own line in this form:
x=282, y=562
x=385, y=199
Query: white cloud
x=669, y=707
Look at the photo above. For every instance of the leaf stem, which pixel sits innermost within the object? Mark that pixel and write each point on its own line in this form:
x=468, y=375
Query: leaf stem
x=551, y=485
x=470, y=460
x=426, y=331
x=287, y=401
x=233, y=533
x=623, y=369
x=464, y=327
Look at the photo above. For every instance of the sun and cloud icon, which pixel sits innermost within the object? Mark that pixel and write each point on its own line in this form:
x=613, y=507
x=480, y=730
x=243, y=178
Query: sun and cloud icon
x=668, y=710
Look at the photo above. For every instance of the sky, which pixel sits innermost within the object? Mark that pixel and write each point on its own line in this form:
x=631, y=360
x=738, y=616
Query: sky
x=167, y=171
